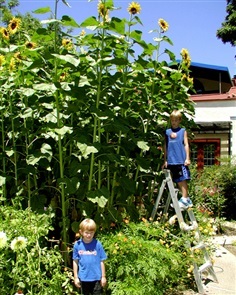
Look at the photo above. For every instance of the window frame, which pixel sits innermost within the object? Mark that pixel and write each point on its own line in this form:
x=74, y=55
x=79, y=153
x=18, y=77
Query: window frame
x=200, y=150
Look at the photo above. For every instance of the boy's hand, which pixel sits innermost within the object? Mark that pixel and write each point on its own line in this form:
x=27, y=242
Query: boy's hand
x=77, y=283
x=187, y=162
x=164, y=166
x=103, y=281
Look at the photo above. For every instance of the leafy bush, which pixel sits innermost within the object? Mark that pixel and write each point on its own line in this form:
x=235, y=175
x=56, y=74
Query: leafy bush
x=147, y=258
x=214, y=190
x=27, y=262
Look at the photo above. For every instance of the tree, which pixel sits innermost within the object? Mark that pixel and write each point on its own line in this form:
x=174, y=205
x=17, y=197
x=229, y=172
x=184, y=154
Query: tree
x=227, y=33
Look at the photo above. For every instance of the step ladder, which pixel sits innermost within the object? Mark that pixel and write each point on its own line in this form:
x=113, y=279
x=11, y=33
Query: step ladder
x=173, y=197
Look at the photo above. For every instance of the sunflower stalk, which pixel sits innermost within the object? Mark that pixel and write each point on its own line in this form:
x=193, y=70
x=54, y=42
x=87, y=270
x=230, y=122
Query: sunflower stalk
x=125, y=73
x=97, y=123
x=4, y=192
x=60, y=149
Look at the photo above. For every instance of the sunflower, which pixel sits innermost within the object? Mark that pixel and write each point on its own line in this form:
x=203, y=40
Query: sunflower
x=14, y=25
x=101, y=9
x=18, y=56
x=30, y=45
x=163, y=25
x=186, y=78
x=2, y=60
x=134, y=8
x=18, y=243
x=67, y=43
x=5, y=33
x=186, y=57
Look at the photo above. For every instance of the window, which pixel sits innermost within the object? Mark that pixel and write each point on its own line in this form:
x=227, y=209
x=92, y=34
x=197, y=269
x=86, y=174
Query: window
x=204, y=152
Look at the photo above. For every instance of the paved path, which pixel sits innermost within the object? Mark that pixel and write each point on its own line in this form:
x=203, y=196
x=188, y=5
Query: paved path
x=224, y=267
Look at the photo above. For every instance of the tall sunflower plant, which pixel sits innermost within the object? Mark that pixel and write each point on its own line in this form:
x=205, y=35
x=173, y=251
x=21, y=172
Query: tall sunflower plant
x=82, y=114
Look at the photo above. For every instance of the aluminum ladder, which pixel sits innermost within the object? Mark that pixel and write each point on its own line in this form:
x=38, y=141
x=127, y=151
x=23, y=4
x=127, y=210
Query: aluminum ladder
x=173, y=197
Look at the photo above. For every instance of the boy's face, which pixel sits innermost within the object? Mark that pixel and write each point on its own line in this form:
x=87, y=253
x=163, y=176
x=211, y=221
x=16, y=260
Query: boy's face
x=175, y=122
x=87, y=235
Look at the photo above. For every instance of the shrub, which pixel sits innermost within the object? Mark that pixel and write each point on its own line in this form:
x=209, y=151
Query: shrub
x=214, y=190
x=27, y=263
x=147, y=258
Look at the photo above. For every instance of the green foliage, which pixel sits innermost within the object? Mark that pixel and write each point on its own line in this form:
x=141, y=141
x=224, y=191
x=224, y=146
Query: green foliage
x=213, y=190
x=148, y=258
x=82, y=115
x=27, y=261
x=227, y=32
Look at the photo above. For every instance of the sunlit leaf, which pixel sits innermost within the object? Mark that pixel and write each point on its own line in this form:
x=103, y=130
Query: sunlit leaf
x=90, y=22
x=117, y=25
x=2, y=180
x=69, y=21
x=27, y=113
x=143, y=145
x=45, y=87
x=83, y=81
x=68, y=58
x=100, y=201
x=86, y=150
x=47, y=150
x=64, y=130
x=42, y=10
x=50, y=21
x=136, y=35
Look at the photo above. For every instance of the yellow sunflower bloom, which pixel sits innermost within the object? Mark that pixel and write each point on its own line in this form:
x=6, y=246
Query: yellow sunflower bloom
x=163, y=25
x=67, y=43
x=14, y=25
x=30, y=45
x=101, y=9
x=134, y=8
x=2, y=60
x=18, y=56
x=186, y=57
x=5, y=33
x=186, y=78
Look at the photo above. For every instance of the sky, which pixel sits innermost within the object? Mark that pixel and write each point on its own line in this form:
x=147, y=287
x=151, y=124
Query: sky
x=192, y=24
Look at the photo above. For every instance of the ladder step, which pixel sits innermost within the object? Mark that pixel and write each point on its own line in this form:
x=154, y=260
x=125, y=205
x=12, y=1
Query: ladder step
x=205, y=266
x=198, y=246
x=186, y=227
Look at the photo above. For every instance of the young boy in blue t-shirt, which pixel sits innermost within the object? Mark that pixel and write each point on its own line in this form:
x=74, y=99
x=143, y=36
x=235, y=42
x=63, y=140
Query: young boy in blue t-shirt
x=176, y=157
x=88, y=260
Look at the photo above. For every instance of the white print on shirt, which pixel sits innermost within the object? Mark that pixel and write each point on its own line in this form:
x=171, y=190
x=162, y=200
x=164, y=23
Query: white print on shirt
x=83, y=252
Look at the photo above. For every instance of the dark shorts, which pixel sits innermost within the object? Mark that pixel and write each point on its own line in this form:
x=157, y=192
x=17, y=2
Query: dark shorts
x=179, y=172
x=91, y=288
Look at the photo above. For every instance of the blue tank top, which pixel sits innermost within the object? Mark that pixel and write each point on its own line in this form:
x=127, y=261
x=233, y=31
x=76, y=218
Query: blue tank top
x=175, y=146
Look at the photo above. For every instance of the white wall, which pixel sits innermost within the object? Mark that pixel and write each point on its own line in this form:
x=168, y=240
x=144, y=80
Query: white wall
x=218, y=111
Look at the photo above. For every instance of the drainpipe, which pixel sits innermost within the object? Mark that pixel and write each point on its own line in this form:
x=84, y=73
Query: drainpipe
x=220, y=82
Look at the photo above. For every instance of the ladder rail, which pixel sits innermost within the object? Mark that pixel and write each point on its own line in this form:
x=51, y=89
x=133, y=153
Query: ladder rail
x=173, y=196
x=154, y=211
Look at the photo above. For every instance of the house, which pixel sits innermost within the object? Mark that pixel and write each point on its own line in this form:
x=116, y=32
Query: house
x=215, y=114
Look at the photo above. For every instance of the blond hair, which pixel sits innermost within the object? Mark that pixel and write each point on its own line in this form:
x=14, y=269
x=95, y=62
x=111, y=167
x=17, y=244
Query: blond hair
x=88, y=224
x=176, y=114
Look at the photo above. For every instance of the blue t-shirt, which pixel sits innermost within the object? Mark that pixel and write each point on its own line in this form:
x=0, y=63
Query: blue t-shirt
x=175, y=146
x=89, y=256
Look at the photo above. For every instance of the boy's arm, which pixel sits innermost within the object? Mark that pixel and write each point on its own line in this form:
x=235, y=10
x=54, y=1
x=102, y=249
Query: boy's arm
x=164, y=155
x=75, y=271
x=186, y=147
x=103, y=278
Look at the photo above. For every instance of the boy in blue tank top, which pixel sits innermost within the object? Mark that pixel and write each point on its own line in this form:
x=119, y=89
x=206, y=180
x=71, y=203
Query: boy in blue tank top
x=176, y=157
x=88, y=260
